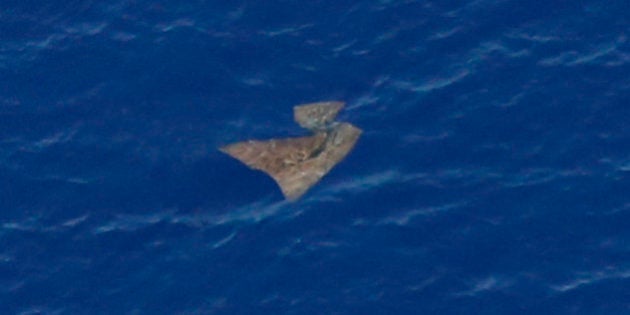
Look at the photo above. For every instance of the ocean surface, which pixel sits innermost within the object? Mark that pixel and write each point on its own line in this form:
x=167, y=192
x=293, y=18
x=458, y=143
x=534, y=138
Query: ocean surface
x=492, y=177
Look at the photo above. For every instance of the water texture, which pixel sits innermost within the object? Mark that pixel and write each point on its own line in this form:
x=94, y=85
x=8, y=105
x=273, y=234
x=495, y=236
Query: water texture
x=492, y=176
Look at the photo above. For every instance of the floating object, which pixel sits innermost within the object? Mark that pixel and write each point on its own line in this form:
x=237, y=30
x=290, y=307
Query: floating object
x=297, y=164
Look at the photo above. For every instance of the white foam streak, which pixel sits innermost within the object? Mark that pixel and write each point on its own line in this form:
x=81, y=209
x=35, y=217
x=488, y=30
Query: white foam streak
x=608, y=54
x=433, y=83
x=490, y=283
x=251, y=213
x=405, y=217
x=590, y=278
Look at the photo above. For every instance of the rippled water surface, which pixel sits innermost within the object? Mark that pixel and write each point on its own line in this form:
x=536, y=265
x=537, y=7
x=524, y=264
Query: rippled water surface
x=492, y=176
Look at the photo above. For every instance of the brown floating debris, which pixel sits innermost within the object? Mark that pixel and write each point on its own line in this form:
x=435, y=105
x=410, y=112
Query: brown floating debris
x=296, y=164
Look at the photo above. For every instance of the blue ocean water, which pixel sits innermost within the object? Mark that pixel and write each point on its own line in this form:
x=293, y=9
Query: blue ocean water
x=492, y=176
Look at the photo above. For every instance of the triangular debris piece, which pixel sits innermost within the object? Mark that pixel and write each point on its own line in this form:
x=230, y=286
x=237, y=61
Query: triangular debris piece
x=296, y=164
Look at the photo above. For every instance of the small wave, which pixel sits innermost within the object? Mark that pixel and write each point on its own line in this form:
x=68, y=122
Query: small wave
x=86, y=29
x=128, y=222
x=36, y=310
x=366, y=182
x=51, y=140
x=38, y=224
x=490, y=283
x=224, y=240
x=605, y=54
x=253, y=212
x=179, y=23
x=590, y=278
x=446, y=33
x=123, y=36
x=433, y=83
x=405, y=217
x=538, y=176
x=293, y=31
